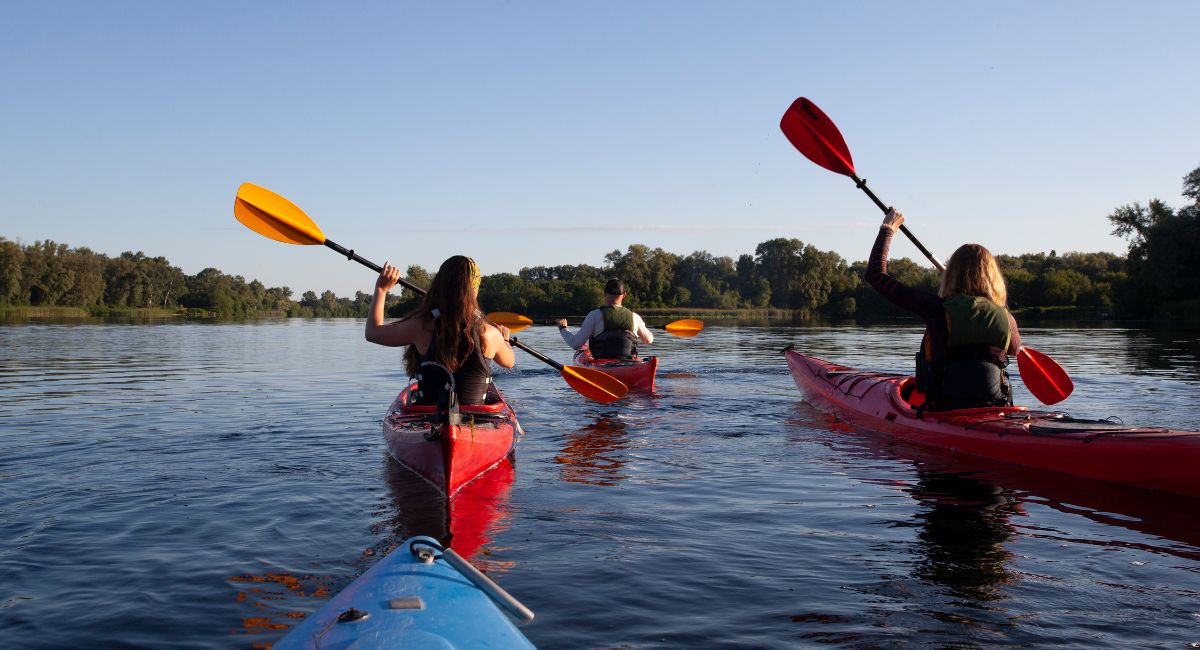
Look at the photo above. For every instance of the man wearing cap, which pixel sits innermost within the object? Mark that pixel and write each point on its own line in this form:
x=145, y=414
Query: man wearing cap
x=612, y=331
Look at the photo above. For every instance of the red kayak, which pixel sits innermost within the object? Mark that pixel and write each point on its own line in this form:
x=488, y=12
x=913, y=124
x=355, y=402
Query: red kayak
x=636, y=373
x=451, y=454
x=1161, y=459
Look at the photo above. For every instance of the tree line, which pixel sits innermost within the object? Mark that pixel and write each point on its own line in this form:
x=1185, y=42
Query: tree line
x=1152, y=280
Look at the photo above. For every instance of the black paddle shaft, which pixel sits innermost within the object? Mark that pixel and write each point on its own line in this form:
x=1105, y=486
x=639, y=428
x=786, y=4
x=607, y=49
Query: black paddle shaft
x=862, y=185
x=351, y=255
x=537, y=355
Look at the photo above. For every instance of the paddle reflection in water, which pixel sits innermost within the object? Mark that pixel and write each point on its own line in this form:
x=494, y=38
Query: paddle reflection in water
x=467, y=522
x=595, y=454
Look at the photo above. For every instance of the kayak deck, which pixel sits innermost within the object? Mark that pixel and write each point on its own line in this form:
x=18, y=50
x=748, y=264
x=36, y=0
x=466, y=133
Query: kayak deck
x=1151, y=457
x=418, y=596
x=450, y=455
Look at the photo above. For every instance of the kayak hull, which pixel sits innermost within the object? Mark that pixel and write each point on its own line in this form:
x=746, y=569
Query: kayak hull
x=637, y=373
x=450, y=455
x=408, y=603
x=1155, y=458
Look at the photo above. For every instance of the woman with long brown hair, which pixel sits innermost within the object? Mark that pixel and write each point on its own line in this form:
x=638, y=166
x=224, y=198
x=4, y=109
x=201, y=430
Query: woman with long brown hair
x=969, y=331
x=446, y=332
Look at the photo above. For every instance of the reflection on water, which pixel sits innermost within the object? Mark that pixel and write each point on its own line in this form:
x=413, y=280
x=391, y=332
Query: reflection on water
x=467, y=523
x=264, y=593
x=977, y=497
x=595, y=454
x=1164, y=350
x=962, y=530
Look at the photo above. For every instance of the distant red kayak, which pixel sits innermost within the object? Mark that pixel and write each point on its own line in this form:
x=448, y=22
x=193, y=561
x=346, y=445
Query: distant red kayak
x=1156, y=458
x=636, y=373
x=450, y=455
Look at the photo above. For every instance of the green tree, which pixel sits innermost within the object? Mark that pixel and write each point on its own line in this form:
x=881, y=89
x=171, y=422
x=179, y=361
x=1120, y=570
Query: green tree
x=1063, y=287
x=12, y=259
x=505, y=292
x=801, y=276
x=645, y=272
x=87, y=270
x=1162, y=250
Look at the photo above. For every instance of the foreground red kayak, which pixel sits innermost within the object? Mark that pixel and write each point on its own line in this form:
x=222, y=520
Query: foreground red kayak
x=1161, y=459
x=636, y=373
x=451, y=454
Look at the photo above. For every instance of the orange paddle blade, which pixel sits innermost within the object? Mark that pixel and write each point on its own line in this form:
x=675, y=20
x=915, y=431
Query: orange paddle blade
x=273, y=216
x=514, y=322
x=1043, y=376
x=685, y=327
x=593, y=384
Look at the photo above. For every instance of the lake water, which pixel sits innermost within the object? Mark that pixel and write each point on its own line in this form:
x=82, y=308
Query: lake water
x=205, y=485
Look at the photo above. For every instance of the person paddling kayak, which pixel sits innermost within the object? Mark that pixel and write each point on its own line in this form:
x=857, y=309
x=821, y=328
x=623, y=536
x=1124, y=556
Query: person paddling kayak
x=447, y=330
x=969, y=331
x=611, y=331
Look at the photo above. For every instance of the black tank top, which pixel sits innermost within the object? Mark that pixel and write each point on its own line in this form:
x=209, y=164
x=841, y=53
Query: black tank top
x=471, y=380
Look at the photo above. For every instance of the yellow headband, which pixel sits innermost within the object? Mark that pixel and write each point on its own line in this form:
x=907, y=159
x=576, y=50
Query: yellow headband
x=476, y=278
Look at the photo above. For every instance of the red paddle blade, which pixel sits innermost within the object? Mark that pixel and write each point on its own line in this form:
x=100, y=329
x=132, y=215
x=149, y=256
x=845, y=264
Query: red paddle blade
x=1043, y=376
x=817, y=137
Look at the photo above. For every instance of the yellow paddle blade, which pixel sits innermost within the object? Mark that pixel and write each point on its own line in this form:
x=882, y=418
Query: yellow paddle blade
x=685, y=327
x=271, y=215
x=514, y=322
x=593, y=384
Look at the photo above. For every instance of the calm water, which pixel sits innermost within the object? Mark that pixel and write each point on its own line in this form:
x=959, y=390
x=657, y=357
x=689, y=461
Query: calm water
x=192, y=485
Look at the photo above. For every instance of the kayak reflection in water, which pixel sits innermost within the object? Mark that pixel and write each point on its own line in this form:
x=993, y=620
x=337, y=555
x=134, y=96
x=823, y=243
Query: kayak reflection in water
x=611, y=331
x=447, y=330
x=969, y=331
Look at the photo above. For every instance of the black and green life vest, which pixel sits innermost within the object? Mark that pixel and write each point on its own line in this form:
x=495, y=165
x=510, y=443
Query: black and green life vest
x=973, y=372
x=469, y=383
x=617, y=341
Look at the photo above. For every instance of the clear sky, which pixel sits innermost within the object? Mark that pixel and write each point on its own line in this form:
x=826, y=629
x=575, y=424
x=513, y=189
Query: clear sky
x=543, y=133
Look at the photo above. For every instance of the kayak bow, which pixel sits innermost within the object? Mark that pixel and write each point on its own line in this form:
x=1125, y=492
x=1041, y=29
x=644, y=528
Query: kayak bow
x=418, y=596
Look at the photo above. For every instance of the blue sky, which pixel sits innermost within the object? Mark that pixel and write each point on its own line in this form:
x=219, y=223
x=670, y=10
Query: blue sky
x=542, y=133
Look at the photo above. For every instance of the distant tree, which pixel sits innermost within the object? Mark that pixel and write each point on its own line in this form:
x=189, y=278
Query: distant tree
x=645, y=272
x=1063, y=287
x=418, y=276
x=87, y=271
x=12, y=259
x=778, y=261
x=801, y=276
x=1163, y=242
x=504, y=292
x=46, y=277
x=706, y=278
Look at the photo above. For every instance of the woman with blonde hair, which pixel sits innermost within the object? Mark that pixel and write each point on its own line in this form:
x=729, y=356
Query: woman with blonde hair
x=446, y=333
x=969, y=331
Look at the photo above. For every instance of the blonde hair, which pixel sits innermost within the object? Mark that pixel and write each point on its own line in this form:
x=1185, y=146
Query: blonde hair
x=972, y=270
